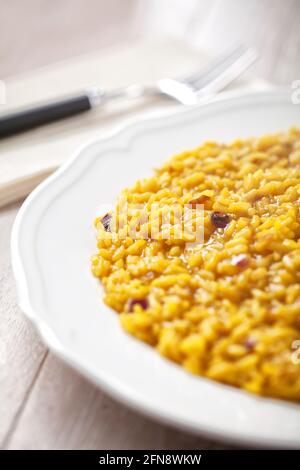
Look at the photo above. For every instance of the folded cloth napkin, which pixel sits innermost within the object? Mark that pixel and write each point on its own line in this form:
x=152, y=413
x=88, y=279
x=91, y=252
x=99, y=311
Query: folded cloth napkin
x=25, y=160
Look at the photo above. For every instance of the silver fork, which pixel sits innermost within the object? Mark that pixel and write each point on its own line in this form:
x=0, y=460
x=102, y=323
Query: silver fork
x=185, y=90
x=191, y=88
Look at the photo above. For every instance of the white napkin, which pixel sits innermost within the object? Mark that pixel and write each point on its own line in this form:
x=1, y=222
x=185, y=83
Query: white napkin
x=27, y=159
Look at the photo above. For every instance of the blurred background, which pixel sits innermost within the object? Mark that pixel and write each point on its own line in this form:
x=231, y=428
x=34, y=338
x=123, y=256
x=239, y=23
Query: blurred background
x=38, y=32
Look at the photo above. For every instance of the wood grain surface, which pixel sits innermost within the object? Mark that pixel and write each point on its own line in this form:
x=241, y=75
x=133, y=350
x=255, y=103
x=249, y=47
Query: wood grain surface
x=43, y=403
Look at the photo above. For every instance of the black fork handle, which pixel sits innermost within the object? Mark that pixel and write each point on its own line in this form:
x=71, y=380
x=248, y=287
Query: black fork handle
x=20, y=121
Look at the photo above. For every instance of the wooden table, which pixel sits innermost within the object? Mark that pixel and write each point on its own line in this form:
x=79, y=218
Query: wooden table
x=43, y=403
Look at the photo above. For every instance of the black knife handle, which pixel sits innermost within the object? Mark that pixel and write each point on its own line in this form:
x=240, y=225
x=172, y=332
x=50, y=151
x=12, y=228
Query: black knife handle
x=24, y=120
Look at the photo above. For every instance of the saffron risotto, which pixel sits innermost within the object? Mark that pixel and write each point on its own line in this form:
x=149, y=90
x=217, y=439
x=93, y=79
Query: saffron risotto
x=226, y=306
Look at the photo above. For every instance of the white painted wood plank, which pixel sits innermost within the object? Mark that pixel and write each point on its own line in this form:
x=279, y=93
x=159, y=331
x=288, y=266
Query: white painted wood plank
x=65, y=411
x=21, y=351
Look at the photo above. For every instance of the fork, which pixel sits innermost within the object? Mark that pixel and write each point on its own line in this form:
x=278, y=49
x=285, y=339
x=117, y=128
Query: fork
x=187, y=90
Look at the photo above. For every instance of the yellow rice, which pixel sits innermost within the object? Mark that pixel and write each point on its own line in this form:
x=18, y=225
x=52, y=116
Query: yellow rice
x=228, y=308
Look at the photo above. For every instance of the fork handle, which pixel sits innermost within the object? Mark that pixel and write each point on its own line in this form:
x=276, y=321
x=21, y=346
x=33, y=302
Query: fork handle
x=30, y=118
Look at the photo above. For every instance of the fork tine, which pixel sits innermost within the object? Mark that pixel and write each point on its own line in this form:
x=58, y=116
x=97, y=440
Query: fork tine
x=205, y=75
x=229, y=74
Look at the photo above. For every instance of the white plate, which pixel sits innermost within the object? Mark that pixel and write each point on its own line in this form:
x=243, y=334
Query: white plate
x=53, y=238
